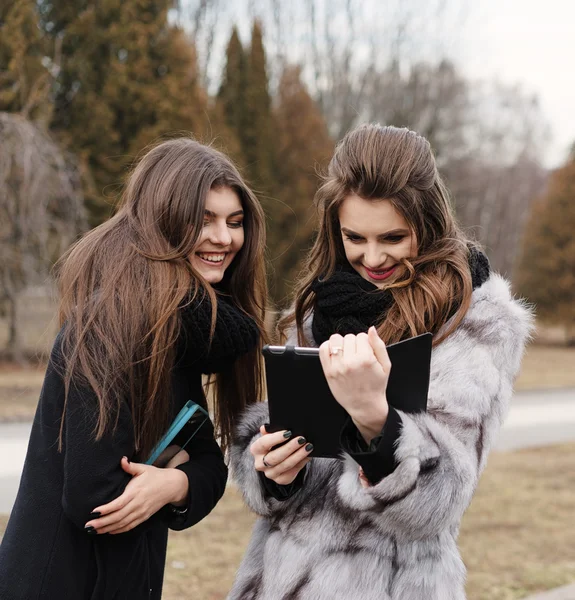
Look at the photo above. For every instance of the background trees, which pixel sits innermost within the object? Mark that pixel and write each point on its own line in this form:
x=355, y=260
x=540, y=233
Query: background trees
x=547, y=269
x=128, y=76
x=275, y=85
x=41, y=212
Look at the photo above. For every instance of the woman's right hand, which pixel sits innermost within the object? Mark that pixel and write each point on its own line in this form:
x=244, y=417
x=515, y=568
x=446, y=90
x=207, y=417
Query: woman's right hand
x=284, y=463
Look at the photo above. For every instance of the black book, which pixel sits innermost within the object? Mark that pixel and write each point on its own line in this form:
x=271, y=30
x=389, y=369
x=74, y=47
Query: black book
x=300, y=399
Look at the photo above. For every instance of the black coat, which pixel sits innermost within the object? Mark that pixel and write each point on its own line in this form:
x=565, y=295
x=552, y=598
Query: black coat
x=45, y=553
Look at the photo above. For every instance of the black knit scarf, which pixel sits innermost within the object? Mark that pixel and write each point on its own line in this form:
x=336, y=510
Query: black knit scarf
x=347, y=303
x=235, y=334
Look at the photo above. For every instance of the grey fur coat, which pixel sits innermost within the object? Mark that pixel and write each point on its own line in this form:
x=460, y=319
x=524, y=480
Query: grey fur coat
x=334, y=539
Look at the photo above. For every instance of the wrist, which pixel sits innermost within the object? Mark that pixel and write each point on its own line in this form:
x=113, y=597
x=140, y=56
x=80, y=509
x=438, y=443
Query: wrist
x=177, y=487
x=370, y=423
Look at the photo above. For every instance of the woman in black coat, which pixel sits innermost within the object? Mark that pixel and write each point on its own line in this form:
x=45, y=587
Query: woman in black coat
x=169, y=288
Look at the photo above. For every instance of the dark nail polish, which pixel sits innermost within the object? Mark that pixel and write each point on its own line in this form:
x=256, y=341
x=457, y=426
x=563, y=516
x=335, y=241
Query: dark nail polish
x=287, y=435
x=90, y=530
x=309, y=448
x=301, y=441
x=95, y=515
x=267, y=426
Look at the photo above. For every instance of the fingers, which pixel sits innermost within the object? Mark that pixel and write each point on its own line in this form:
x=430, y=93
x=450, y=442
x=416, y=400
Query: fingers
x=284, y=458
x=379, y=349
x=115, y=519
x=125, y=498
x=336, y=346
x=268, y=440
x=132, y=468
x=119, y=503
x=127, y=522
x=324, y=356
x=365, y=353
x=122, y=520
x=127, y=527
x=288, y=476
x=349, y=345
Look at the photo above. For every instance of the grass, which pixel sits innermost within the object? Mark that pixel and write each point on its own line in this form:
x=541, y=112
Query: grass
x=517, y=538
x=543, y=367
x=19, y=391
x=546, y=367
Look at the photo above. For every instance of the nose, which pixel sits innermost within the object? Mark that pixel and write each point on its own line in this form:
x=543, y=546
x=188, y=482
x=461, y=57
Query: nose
x=219, y=234
x=374, y=256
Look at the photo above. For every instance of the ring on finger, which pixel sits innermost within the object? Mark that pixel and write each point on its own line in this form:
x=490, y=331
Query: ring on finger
x=336, y=350
x=264, y=461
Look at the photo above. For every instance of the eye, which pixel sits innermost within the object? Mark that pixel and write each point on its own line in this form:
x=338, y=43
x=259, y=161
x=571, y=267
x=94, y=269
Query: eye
x=395, y=239
x=236, y=224
x=355, y=239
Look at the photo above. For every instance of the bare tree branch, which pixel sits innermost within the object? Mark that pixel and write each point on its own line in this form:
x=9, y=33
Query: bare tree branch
x=41, y=210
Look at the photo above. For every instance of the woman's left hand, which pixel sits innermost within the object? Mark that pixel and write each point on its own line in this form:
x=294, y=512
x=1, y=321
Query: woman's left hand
x=357, y=369
x=148, y=491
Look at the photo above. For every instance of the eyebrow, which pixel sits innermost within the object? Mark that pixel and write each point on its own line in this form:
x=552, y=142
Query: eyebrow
x=393, y=232
x=238, y=213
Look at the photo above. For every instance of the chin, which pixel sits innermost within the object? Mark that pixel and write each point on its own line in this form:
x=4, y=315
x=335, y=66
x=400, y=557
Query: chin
x=212, y=278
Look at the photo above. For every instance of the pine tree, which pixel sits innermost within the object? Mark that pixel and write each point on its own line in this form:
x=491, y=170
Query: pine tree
x=546, y=274
x=257, y=129
x=232, y=88
x=24, y=79
x=226, y=111
x=244, y=100
x=128, y=77
x=303, y=148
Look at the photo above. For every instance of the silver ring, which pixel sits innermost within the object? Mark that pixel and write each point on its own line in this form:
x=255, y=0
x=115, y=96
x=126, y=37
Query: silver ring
x=335, y=351
x=264, y=461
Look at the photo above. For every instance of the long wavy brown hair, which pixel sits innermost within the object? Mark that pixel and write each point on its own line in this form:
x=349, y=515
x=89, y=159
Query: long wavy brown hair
x=123, y=283
x=375, y=163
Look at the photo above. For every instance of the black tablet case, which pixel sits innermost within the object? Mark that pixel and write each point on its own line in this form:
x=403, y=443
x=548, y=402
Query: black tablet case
x=300, y=399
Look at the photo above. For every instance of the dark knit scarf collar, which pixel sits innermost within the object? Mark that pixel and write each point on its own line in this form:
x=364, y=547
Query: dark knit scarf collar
x=235, y=334
x=347, y=303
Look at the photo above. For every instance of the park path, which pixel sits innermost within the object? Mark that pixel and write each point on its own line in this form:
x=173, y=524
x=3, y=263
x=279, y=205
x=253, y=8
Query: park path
x=536, y=418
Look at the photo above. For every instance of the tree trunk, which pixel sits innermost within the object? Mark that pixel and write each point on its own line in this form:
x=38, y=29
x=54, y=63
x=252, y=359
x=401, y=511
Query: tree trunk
x=13, y=349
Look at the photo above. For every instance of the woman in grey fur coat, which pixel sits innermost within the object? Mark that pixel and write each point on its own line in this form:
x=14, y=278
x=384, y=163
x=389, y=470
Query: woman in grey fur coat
x=389, y=262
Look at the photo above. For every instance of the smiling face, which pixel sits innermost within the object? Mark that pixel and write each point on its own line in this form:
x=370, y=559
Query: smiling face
x=222, y=235
x=375, y=238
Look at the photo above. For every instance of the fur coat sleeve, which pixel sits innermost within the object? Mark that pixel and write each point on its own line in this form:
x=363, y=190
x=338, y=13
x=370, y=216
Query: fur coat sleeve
x=440, y=454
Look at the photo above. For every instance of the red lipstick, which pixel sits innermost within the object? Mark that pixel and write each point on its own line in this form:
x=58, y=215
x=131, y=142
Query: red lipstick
x=379, y=275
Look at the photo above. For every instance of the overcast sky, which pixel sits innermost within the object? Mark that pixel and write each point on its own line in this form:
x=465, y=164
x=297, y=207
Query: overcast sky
x=531, y=42
x=525, y=42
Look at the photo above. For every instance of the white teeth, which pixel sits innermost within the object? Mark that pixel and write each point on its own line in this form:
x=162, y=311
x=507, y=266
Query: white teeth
x=215, y=258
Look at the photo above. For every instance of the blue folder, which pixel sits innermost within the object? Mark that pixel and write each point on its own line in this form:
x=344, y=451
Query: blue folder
x=186, y=415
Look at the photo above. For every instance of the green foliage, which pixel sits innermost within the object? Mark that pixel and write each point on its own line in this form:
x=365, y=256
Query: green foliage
x=547, y=270
x=128, y=77
x=280, y=149
x=24, y=80
x=232, y=89
x=257, y=132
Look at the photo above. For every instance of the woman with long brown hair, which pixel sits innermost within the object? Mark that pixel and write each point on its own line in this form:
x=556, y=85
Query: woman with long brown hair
x=389, y=263
x=170, y=288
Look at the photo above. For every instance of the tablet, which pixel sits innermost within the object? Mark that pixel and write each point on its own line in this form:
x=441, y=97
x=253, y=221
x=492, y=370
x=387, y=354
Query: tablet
x=186, y=416
x=300, y=399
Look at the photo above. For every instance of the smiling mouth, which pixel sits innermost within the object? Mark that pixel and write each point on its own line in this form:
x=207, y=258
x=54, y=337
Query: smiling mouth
x=381, y=274
x=213, y=260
